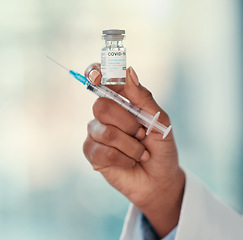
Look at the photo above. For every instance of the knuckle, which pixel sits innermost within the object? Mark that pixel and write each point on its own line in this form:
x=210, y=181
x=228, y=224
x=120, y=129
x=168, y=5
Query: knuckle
x=98, y=155
x=111, y=154
x=91, y=150
x=148, y=94
x=86, y=147
x=90, y=125
x=108, y=134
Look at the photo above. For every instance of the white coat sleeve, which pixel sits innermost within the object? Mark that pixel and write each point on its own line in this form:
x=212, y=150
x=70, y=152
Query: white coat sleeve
x=202, y=217
x=132, y=225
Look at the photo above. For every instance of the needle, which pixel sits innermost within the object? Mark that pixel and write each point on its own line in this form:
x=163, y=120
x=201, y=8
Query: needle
x=57, y=63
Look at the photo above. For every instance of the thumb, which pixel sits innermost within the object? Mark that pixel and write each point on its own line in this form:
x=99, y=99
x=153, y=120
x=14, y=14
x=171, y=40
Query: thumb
x=142, y=97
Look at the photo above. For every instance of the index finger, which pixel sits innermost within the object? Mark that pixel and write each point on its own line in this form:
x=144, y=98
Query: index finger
x=93, y=73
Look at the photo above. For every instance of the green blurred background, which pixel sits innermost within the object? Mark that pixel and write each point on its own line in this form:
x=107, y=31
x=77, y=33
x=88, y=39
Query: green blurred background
x=188, y=53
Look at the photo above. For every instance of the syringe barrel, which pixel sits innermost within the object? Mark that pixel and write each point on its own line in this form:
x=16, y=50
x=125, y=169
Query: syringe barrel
x=147, y=120
x=102, y=91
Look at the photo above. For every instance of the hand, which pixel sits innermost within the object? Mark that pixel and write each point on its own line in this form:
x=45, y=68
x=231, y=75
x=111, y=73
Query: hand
x=143, y=168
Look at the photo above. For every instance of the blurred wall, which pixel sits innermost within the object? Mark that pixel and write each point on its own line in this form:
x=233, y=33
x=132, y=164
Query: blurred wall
x=188, y=53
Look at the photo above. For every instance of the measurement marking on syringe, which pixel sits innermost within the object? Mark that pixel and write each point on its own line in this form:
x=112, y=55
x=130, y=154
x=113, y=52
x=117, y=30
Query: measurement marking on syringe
x=106, y=91
x=138, y=111
x=130, y=107
x=123, y=102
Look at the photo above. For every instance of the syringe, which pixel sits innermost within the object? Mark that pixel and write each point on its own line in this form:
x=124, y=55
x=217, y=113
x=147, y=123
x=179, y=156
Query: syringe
x=146, y=119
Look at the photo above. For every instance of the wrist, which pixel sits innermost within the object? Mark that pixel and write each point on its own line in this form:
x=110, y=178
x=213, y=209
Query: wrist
x=163, y=208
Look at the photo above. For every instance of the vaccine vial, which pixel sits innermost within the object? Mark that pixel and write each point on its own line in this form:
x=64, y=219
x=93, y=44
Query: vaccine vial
x=113, y=57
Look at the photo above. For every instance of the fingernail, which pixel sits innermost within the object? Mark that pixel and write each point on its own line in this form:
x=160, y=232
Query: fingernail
x=134, y=76
x=93, y=75
x=145, y=157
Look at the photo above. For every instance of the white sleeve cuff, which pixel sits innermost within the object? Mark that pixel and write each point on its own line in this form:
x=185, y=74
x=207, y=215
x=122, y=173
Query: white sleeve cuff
x=132, y=225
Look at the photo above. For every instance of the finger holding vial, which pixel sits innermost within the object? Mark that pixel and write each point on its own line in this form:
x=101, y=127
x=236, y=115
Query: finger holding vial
x=93, y=73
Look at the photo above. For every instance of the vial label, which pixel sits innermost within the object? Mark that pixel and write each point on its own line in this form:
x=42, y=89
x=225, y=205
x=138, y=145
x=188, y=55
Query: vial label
x=113, y=63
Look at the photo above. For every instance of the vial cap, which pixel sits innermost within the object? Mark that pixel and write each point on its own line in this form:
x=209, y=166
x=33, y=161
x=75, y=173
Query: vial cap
x=113, y=32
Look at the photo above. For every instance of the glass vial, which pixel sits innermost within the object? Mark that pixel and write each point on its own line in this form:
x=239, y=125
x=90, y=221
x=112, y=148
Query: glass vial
x=113, y=58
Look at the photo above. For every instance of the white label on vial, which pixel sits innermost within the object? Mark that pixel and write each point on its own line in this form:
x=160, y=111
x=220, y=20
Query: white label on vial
x=113, y=63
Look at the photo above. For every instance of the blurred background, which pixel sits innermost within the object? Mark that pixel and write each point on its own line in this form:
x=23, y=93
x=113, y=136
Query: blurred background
x=188, y=53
